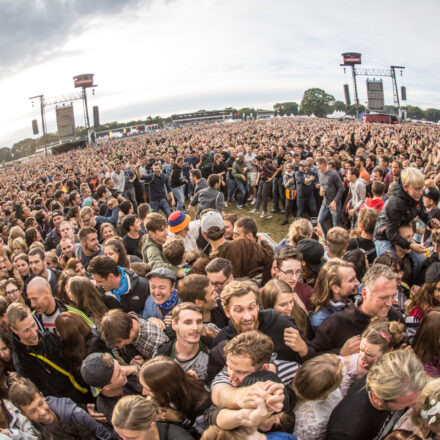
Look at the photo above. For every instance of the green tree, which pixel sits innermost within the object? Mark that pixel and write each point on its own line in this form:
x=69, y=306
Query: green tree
x=247, y=111
x=432, y=114
x=339, y=106
x=286, y=108
x=413, y=112
x=5, y=154
x=23, y=148
x=317, y=102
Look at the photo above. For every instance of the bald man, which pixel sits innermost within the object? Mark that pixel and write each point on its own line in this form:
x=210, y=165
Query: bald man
x=47, y=308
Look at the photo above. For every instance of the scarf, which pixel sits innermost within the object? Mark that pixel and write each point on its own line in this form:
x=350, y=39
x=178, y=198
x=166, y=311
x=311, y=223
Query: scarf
x=123, y=285
x=169, y=304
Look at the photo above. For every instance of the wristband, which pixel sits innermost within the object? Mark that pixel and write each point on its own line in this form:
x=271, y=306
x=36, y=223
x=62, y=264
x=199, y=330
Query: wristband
x=322, y=240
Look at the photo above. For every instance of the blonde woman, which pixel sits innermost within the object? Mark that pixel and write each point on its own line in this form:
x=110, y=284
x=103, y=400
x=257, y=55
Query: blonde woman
x=135, y=417
x=299, y=229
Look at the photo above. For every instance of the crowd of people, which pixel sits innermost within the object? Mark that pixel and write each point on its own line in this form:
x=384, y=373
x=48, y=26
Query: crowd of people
x=135, y=304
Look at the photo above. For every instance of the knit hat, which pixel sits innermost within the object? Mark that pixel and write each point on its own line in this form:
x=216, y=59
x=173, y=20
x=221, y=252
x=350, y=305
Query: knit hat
x=94, y=372
x=178, y=221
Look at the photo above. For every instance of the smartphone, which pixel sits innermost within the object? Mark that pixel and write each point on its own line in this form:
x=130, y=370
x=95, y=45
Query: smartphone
x=314, y=221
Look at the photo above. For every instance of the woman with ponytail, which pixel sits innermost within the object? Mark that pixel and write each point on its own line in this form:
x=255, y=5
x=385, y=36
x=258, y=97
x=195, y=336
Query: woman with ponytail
x=380, y=337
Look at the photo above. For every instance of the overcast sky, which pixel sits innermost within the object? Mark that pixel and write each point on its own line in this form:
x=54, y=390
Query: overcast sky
x=153, y=57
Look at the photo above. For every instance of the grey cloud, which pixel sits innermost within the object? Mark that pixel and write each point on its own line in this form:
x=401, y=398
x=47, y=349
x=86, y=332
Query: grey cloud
x=31, y=31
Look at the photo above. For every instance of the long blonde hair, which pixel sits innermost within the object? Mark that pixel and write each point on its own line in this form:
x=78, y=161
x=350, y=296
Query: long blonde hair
x=134, y=413
x=396, y=374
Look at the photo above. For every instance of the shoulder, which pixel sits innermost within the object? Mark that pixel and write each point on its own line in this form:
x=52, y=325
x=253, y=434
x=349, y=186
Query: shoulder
x=172, y=431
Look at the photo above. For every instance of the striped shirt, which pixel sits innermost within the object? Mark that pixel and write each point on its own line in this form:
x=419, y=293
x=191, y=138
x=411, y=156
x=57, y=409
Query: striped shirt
x=286, y=371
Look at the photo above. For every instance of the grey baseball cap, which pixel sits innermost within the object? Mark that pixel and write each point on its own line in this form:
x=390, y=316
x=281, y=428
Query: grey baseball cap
x=94, y=372
x=211, y=219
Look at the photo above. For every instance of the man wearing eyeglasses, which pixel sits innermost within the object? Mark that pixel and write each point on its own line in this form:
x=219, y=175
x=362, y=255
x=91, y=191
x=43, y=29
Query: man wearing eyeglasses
x=289, y=269
x=219, y=272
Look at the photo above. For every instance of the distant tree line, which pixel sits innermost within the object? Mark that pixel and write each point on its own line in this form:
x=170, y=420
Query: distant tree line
x=314, y=102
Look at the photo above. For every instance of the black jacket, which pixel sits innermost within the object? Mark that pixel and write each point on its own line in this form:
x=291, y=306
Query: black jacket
x=55, y=275
x=271, y=324
x=134, y=299
x=400, y=209
x=176, y=178
x=52, y=240
x=340, y=326
x=46, y=378
x=434, y=258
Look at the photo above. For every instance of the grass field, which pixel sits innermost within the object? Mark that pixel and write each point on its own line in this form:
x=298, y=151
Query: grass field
x=269, y=225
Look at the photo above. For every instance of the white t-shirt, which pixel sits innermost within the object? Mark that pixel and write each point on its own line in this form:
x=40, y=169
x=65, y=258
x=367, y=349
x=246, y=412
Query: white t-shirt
x=248, y=158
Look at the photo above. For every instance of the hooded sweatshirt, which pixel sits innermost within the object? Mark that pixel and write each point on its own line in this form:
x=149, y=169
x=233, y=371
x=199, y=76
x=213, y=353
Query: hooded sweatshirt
x=373, y=203
x=69, y=412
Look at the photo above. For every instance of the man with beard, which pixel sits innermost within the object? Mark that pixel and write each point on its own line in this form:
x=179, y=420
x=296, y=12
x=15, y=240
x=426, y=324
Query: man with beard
x=246, y=354
x=340, y=332
x=159, y=189
x=89, y=246
x=240, y=300
x=336, y=282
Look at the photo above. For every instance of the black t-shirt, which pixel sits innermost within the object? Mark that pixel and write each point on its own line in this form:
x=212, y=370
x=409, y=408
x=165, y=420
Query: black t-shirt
x=355, y=417
x=170, y=431
x=132, y=245
x=366, y=245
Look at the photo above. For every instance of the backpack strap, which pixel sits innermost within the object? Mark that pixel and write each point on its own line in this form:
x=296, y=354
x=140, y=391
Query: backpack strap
x=62, y=371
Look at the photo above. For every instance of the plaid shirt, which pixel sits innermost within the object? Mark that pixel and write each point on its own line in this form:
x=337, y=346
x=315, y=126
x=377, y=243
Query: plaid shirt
x=149, y=338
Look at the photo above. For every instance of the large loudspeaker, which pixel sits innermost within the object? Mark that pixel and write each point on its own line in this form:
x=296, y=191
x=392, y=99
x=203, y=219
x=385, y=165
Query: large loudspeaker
x=375, y=95
x=403, y=93
x=65, y=122
x=95, y=116
x=34, y=126
x=347, y=95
